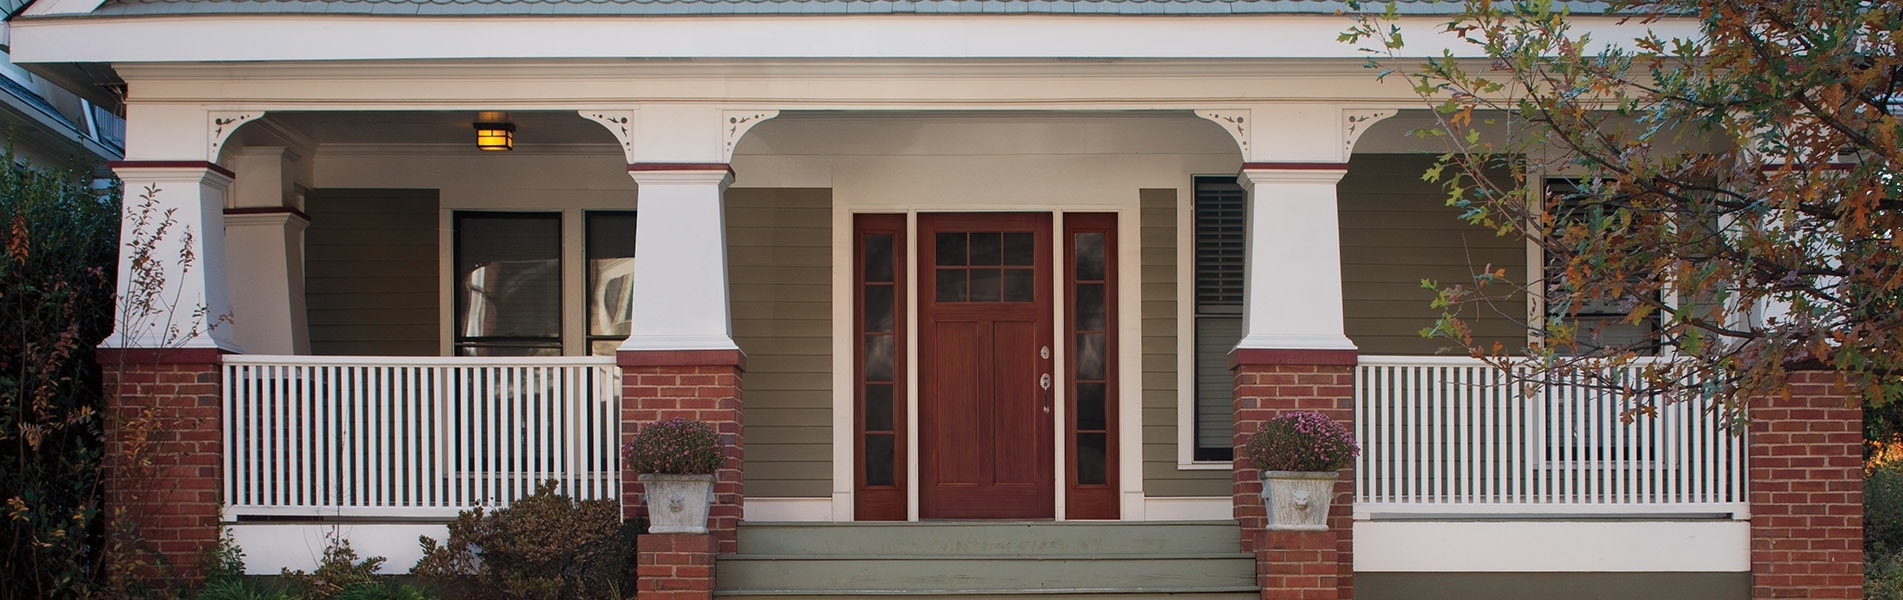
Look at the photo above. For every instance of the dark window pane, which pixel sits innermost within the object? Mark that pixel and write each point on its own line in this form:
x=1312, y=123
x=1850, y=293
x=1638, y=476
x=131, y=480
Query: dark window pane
x=984, y=285
x=985, y=248
x=878, y=308
x=878, y=358
x=879, y=459
x=1090, y=257
x=951, y=285
x=610, y=234
x=1020, y=285
x=1090, y=307
x=1090, y=406
x=1090, y=358
x=879, y=407
x=951, y=249
x=879, y=257
x=509, y=276
x=610, y=265
x=1020, y=249
x=1091, y=458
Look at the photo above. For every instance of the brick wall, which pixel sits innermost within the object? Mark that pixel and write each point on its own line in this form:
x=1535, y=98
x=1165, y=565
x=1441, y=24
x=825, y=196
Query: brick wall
x=163, y=452
x=676, y=566
x=1807, y=491
x=1268, y=383
x=1298, y=565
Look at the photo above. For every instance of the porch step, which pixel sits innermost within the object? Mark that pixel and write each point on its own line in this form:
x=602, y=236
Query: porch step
x=1123, y=560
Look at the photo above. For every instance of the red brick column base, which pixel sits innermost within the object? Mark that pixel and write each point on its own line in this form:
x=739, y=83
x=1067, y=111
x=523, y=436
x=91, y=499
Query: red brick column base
x=163, y=456
x=703, y=385
x=1807, y=491
x=1298, y=565
x=1268, y=383
x=675, y=566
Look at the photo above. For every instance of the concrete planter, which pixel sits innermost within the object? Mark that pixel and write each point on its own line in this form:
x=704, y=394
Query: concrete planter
x=1298, y=500
x=677, y=503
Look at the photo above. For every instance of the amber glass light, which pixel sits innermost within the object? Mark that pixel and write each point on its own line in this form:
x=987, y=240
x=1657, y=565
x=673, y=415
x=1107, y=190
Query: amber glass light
x=494, y=132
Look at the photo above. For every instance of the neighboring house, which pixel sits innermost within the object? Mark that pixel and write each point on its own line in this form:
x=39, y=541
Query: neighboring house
x=51, y=121
x=966, y=264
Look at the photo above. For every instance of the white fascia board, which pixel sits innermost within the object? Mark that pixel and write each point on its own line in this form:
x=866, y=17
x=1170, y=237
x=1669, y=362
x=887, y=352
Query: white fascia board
x=186, y=38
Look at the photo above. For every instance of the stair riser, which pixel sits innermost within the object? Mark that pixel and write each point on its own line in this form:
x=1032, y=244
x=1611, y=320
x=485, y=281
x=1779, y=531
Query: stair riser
x=990, y=540
x=981, y=574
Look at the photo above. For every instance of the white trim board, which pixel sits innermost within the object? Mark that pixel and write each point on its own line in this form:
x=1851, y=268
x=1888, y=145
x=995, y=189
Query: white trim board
x=185, y=38
x=270, y=547
x=788, y=509
x=1553, y=546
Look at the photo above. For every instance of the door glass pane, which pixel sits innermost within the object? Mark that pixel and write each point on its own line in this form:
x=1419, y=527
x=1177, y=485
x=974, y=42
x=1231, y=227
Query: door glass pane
x=879, y=459
x=878, y=308
x=879, y=257
x=951, y=285
x=1090, y=413
x=984, y=285
x=985, y=248
x=951, y=249
x=879, y=407
x=878, y=358
x=1090, y=358
x=1090, y=259
x=1020, y=249
x=1091, y=458
x=1020, y=285
x=1090, y=306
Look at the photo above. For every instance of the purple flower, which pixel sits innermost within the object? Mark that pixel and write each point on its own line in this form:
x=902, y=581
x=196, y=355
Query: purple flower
x=1302, y=441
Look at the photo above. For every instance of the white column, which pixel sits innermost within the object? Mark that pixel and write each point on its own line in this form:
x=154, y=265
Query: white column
x=680, y=269
x=264, y=238
x=172, y=287
x=1292, y=292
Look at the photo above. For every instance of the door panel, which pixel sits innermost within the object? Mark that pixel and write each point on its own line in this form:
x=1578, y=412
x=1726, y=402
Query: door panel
x=985, y=327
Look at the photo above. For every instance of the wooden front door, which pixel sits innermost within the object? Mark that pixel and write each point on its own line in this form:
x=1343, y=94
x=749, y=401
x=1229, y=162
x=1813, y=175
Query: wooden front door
x=985, y=366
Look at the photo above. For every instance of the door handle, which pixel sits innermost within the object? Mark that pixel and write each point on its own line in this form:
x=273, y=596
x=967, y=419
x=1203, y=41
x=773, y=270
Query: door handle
x=1044, y=381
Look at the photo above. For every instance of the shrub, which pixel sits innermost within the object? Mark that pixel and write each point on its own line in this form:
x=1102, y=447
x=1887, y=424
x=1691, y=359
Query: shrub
x=339, y=570
x=1301, y=441
x=674, y=447
x=1883, y=508
x=542, y=546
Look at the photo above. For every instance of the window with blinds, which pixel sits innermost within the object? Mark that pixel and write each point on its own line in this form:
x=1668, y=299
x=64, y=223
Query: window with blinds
x=1220, y=210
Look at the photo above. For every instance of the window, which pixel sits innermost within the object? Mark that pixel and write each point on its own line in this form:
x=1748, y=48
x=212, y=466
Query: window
x=1601, y=322
x=508, y=284
x=610, y=257
x=1221, y=243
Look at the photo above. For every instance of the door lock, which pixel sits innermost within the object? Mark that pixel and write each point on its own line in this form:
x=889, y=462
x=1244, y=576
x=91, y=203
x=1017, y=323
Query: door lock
x=1044, y=381
x=1044, y=353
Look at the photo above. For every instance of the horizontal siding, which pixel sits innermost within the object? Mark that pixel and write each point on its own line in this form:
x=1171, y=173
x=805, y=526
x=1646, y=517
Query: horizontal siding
x=1157, y=268
x=1397, y=230
x=370, y=260
x=779, y=264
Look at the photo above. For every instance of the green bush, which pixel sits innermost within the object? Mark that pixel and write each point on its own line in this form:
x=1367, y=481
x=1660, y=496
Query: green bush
x=544, y=546
x=58, y=250
x=1883, y=508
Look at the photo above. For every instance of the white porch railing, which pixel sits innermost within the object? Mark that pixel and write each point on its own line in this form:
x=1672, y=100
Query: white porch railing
x=403, y=437
x=1447, y=437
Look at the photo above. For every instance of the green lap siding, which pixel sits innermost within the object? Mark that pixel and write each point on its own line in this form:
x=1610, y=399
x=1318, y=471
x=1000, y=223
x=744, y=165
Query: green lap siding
x=371, y=272
x=1157, y=267
x=779, y=261
x=1397, y=230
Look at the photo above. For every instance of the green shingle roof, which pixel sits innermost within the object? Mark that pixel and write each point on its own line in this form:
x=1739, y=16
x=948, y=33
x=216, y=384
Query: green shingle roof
x=776, y=7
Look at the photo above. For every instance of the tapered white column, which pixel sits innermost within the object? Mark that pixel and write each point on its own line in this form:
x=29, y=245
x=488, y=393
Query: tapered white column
x=172, y=290
x=1292, y=291
x=264, y=239
x=680, y=249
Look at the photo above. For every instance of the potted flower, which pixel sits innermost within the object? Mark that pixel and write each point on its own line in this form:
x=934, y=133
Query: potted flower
x=1298, y=454
x=676, y=459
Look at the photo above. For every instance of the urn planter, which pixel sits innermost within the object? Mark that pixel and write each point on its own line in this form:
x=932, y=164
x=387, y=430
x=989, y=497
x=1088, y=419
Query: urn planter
x=1298, y=500
x=677, y=503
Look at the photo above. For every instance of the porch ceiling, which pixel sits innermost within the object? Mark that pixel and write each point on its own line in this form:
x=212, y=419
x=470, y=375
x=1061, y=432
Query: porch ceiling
x=434, y=127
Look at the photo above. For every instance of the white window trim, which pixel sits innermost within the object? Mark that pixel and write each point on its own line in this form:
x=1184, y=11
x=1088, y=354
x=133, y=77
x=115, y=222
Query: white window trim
x=1186, y=334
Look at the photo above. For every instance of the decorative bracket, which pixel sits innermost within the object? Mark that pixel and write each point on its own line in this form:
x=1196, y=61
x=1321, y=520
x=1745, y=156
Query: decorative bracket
x=736, y=123
x=619, y=123
x=1236, y=122
x=221, y=124
x=1357, y=121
